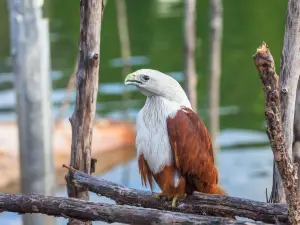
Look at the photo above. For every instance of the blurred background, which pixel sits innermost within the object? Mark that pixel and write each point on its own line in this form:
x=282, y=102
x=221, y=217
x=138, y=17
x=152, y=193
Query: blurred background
x=155, y=33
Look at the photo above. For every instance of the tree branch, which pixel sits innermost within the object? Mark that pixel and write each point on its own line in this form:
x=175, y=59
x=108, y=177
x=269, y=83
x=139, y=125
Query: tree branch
x=265, y=64
x=86, y=94
x=212, y=205
x=85, y=210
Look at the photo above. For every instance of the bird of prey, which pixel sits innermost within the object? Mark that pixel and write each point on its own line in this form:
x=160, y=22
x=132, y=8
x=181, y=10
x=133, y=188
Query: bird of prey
x=173, y=144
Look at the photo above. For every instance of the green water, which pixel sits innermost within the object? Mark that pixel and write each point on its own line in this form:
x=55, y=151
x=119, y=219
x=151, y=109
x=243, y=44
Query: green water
x=155, y=29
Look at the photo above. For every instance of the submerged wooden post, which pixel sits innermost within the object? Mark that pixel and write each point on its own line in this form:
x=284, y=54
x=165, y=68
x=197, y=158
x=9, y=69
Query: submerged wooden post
x=216, y=29
x=124, y=39
x=31, y=65
x=86, y=95
x=189, y=51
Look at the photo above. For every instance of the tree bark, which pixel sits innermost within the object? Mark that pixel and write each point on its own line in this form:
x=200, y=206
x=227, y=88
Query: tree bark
x=216, y=27
x=277, y=194
x=288, y=82
x=86, y=94
x=200, y=204
x=189, y=51
x=296, y=142
x=277, y=126
x=89, y=211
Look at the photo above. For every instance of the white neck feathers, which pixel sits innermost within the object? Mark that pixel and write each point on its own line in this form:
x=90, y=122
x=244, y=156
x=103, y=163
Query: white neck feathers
x=152, y=138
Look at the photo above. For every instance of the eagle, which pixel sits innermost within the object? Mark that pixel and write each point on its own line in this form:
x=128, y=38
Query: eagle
x=174, y=147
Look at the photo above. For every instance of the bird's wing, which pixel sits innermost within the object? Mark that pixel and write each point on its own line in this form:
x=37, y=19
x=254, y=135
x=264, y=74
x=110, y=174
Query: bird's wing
x=145, y=172
x=192, y=147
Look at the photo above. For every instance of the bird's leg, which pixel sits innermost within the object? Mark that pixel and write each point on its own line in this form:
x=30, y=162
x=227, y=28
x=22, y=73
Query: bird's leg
x=174, y=200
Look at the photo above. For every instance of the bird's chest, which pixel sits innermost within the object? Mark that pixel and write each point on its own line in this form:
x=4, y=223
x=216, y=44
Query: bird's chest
x=152, y=141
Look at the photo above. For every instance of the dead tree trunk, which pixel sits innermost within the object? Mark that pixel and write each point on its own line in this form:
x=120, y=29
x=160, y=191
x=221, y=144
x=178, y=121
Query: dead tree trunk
x=216, y=26
x=189, y=51
x=31, y=66
x=123, y=35
x=296, y=142
x=86, y=94
x=277, y=127
x=125, y=54
x=289, y=76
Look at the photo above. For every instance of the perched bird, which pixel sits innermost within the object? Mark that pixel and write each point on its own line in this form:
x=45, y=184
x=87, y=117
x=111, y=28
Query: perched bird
x=173, y=144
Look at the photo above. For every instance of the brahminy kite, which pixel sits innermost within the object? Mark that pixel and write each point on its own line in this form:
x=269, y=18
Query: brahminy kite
x=173, y=144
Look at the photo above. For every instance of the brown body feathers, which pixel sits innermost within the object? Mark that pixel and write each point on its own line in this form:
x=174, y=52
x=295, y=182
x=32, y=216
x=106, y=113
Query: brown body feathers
x=193, y=158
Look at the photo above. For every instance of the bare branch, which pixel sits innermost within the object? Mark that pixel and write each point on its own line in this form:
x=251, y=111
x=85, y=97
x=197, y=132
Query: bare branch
x=91, y=12
x=85, y=210
x=265, y=64
x=213, y=205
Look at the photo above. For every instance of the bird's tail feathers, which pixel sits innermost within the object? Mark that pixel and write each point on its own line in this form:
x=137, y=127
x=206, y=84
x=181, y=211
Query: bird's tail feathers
x=219, y=191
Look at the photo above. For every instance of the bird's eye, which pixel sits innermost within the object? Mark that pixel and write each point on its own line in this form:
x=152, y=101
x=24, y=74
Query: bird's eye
x=145, y=77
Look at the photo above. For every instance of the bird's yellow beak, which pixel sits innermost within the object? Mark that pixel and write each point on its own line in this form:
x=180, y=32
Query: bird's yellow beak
x=130, y=78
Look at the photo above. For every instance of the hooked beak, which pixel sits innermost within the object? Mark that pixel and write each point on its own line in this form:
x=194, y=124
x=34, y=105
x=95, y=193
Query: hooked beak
x=130, y=79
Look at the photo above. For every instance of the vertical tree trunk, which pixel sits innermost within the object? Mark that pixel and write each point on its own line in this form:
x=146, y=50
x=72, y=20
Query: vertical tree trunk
x=189, y=50
x=296, y=142
x=277, y=194
x=123, y=35
x=216, y=26
x=86, y=95
x=31, y=65
x=124, y=43
x=125, y=54
x=289, y=75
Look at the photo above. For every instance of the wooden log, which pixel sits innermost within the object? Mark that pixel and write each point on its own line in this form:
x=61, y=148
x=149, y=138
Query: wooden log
x=276, y=132
x=189, y=51
x=90, y=211
x=31, y=65
x=213, y=205
x=86, y=94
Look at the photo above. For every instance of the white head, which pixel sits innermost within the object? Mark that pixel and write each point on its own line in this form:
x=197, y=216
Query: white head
x=154, y=83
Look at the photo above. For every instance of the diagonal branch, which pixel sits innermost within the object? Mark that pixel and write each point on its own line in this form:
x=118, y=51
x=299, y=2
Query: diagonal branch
x=85, y=210
x=265, y=64
x=202, y=204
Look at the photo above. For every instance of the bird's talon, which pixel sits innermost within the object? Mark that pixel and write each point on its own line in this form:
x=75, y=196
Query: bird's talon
x=170, y=198
x=159, y=196
x=174, y=201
